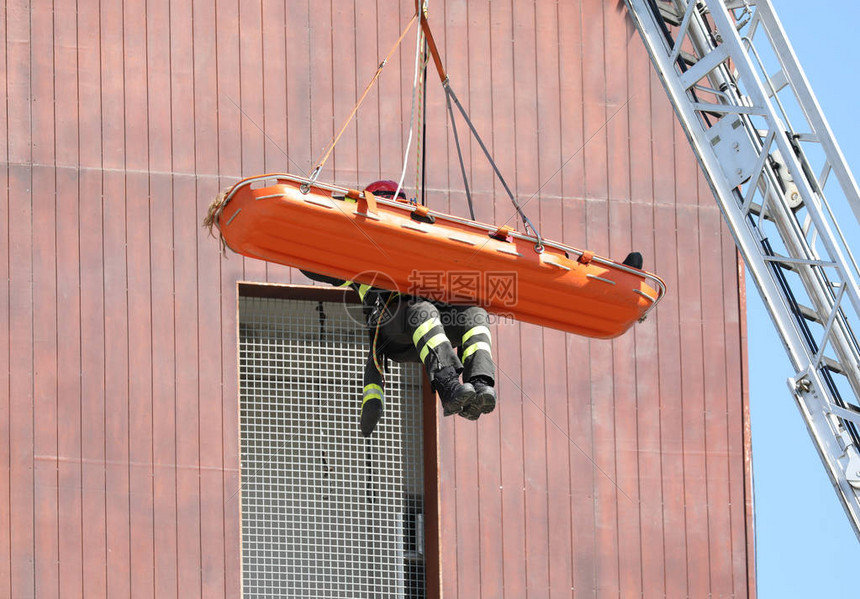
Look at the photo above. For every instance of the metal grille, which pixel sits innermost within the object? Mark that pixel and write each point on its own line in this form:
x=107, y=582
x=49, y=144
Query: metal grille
x=325, y=512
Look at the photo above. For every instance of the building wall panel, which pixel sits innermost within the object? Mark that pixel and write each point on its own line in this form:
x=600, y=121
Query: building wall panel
x=609, y=467
x=116, y=418
x=45, y=383
x=5, y=383
x=21, y=434
x=140, y=388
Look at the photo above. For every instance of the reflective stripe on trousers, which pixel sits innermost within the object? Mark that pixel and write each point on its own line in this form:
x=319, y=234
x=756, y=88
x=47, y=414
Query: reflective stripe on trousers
x=371, y=391
x=476, y=339
x=427, y=336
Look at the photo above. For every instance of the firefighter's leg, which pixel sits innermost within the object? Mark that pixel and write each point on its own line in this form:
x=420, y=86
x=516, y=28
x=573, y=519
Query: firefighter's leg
x=437, y=354
x=372, y=401
x=479, y=369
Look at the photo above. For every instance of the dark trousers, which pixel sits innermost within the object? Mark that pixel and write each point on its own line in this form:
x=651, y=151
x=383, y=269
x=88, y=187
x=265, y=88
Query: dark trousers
x=422, y=331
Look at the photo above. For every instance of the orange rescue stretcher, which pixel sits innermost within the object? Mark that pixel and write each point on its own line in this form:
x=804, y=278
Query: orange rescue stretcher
x=354, y=235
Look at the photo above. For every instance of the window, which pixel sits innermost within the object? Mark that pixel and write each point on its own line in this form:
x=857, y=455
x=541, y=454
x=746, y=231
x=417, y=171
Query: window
x=325, y=512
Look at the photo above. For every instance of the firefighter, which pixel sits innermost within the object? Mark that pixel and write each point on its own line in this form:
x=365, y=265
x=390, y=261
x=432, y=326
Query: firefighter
x=411, y=329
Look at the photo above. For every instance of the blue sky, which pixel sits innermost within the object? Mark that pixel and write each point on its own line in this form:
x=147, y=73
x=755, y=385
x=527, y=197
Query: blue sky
x=805, y=544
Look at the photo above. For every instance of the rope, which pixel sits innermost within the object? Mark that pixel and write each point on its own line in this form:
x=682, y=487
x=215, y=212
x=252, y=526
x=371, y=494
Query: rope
x=424, y=142
x=418, y=43
x=460, y=156
x=452, y=96
x=421, y=127
x=336, y=138
x=379, y=367
x=421, y=146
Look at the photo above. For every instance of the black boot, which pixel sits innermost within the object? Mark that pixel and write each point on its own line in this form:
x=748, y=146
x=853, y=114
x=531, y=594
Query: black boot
x=633, y=259
x=371, y=412
x=453, y=394
x=485, y=399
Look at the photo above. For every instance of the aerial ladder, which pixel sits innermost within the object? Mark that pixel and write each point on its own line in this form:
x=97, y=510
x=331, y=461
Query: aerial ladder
x=780, y=180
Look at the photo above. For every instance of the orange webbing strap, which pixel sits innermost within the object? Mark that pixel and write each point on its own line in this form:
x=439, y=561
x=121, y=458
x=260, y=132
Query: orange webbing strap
x=503, y=233
x=431, y=43
x=366, y=203
x=336, y=138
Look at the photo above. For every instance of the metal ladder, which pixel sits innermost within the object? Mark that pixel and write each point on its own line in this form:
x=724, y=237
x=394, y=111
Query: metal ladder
x=770, y=156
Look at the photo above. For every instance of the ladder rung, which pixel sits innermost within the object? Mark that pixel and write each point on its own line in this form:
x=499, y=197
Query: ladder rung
x=690, y=59
x=789, y=266
x=670, y=14
x=832, y=365
x=755, y=208
x=809, y=314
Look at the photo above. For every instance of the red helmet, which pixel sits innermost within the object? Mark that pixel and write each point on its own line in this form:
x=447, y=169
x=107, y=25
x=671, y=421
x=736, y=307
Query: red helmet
x=385, y=188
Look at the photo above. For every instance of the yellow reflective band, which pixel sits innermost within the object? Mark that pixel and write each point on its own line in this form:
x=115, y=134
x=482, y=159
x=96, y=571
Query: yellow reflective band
x=473, y=348
x=369, y=396
x=478, y=330
x=431, y=343
x=422, y=330
x=362, y=291
x=345, y=284
x=372, y=387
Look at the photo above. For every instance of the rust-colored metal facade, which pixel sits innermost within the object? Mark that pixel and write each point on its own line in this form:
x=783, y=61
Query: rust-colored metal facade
x=609, y=468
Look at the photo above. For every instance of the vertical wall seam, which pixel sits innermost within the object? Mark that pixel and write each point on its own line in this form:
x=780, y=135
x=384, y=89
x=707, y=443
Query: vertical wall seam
x=730, y=486
x=173, y=290
x=702, y=369
x=611, y=365
x=80, y=275
x=221, y=329
x=32, y=296
x=104, y=298
x=679, y=311
x=149, y=120
x=7, y=540
x=127, y=303
x=56, y=297
x=519, y=366
x=196, y=296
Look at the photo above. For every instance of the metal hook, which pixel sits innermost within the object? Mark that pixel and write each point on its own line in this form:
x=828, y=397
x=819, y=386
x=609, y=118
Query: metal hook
x=306, y=186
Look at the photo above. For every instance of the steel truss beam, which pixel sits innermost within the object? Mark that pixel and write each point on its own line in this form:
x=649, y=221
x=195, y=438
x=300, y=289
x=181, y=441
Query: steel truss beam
x=779, y=178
